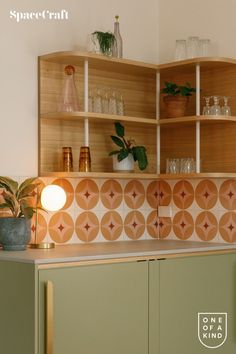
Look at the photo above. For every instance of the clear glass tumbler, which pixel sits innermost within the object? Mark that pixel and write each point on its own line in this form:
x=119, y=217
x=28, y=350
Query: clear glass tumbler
x=180, y=49
x=193, y=47
x=204, y=47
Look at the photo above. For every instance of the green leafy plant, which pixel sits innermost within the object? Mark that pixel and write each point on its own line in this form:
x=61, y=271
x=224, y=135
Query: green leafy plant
x=106, y=41
x=173, y=89
x=16, y=197
x=127, y=146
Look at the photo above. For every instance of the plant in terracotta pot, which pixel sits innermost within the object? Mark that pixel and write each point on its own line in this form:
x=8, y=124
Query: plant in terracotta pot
x=176, y=98
x=15, y=227
x=128, y=153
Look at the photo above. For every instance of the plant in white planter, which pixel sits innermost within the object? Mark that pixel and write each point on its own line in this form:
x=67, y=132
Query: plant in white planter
x=128, y=152
x=15, y=230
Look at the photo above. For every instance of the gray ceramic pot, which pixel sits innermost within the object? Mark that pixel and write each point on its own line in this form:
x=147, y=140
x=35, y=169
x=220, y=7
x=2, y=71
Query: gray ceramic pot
x=15, y=233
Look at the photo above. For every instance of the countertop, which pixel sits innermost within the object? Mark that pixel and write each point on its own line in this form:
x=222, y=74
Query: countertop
x=101, y=251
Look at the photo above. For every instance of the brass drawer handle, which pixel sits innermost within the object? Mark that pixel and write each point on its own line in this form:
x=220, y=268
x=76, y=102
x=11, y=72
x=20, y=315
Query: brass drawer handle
x=49, y=318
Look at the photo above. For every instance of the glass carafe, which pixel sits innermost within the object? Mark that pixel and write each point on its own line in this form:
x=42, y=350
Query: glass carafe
x=69, y=101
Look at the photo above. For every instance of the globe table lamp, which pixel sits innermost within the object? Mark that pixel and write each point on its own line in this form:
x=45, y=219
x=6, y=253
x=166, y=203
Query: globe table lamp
x=53, y=198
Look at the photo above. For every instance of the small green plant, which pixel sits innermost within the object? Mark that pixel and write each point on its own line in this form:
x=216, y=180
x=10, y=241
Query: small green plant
x=16, y=197
x=173, y=89
x=127, y=146
x=106, y=41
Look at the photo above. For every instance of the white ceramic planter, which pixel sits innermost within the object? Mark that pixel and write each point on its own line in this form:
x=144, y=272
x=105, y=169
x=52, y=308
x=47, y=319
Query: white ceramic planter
x=126, y=165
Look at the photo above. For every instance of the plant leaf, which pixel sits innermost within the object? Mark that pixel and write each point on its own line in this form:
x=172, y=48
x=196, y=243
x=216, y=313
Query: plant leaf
x=122, y=155
x=26, y=210
x=9, y=184
x=120, y=130
x=118, y=141
x=27, y=190
x=27, y=182
x=139, y=153
x=4, y=205
x=11, y=202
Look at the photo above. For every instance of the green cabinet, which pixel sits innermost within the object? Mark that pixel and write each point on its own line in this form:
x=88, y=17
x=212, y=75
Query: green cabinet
x=146, y=307
x=98, y=309
x=192, y=285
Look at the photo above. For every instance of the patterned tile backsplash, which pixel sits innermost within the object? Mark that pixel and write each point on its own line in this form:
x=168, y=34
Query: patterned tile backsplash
x=110, y=210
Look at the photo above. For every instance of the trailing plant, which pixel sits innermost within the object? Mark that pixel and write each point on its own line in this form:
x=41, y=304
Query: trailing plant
x=173, y=89
x=127, y=146
x=106, y=41
x=16, y=197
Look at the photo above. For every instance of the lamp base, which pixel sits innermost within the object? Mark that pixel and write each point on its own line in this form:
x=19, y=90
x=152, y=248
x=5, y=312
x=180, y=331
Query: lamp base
x=42, y=245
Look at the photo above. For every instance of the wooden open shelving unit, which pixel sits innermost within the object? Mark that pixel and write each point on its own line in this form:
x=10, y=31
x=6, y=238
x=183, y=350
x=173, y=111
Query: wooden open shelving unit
x=210, y=139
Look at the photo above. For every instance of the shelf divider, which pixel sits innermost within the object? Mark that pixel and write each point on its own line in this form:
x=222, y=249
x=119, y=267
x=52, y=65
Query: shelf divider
x=198, y=127
x=86, y=121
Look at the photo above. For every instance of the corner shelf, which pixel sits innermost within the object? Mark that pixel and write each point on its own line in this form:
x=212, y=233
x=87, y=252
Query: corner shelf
x=96, y=116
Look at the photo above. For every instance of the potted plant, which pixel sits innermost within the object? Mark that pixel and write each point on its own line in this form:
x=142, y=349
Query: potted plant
x=15, y=229
x=105, y=40
x=128, y=153
x=176, y=98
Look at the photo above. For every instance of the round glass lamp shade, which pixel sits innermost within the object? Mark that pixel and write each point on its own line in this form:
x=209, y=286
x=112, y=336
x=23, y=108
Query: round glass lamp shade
x=53, y=197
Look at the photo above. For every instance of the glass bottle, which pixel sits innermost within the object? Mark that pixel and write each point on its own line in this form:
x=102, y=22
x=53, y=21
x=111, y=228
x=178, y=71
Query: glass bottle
x=118, y=44
x=69, y=99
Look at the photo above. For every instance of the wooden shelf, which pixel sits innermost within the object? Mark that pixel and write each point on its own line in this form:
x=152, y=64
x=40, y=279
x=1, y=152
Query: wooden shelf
x=96, y=116
x=152, y=176
x=194, y=119
x=101, y=62
x=163, y=121
x=106, y=175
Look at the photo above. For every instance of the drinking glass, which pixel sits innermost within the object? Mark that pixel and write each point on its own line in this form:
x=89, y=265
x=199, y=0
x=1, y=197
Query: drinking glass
x=180, y=49
x=90, y=101
x=105, y=102
x=225, y=110
x=193, y=47
x=172, y=166
x=120, y=104
x=204, y=47
x=112, y=108
x=207, y=108
x=97, y=102
x=215, y=108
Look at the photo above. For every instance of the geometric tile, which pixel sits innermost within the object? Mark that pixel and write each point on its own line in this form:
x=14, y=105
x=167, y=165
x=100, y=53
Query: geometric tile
x=164, y=226
x=87, y=226
x=183, y=225
x=206, y=194
x=38, y=228
x=111, y=225
x=153, y=194
x=61, y=227
x=183, y=194
x=152, y=224
x=206, y=226
x=134, y=194
x=68, y=188
x=165, y=193
x=227, y=194
x=227, y=226
x=87, y=194
x=134, y=225
x=111, y=194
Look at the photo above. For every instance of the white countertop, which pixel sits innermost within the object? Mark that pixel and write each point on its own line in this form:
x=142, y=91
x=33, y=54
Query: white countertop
x=112, y=250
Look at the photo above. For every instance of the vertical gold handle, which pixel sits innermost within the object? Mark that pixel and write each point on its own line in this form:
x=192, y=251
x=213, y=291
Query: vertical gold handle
x=49, y=318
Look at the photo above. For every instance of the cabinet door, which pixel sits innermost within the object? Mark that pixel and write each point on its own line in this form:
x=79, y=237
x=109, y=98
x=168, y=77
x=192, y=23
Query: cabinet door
x=189, y=286
x=98, y=309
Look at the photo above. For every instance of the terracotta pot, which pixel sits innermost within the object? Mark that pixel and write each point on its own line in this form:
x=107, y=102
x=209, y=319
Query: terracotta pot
x=175, y=106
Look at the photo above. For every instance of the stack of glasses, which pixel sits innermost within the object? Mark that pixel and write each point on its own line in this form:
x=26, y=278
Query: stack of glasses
x=106, y=101
x=184, y=165
x=216, y=109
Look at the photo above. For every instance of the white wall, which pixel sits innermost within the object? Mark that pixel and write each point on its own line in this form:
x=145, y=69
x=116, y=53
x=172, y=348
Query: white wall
x=214, y=19
x=21, y=43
